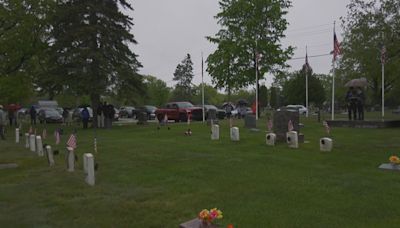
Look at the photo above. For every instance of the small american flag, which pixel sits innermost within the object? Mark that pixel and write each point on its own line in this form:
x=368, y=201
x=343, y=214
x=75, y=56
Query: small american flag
x=165, y=118
x=72, y=141
x=231, y=122
x=290, y=126
x=327, y=128
x=34, y=131
x=57, y=136
x=95, y=145
x=30, y=130
x=188, y=120
x=383, y=54
x=270, y=124
x=44, y=133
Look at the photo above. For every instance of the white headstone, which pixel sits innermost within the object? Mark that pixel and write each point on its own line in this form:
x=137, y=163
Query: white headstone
x=39, y=146
x=32, y=143
x=270, y=139
x=16, y=135
x=292, y=139
x=215, y=132
x=325, y=144
x=85, y=163
x=70, y=159
x=27, y=140
x=235, y=134
x=89, y=169
x=50, y=156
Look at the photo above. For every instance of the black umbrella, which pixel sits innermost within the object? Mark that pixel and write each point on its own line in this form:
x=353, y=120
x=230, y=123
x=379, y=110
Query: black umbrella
x=242, y=102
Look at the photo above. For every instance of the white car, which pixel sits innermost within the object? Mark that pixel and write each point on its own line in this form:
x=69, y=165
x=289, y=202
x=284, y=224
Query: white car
x=300, y=108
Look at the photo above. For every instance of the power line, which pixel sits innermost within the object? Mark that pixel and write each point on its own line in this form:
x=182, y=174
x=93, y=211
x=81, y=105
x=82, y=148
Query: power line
x=310, y=27
x=310, y=56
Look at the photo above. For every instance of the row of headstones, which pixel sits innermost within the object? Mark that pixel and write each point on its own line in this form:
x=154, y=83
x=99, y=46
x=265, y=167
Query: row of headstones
x=35, y=144
x=325, y=143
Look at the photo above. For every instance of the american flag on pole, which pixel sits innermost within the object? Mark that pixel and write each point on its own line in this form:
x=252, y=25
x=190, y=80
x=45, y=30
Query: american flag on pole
x=72, y=141
x=44, y=133
x=57, y=136
x=270, y=125
x=290, y=126
x=336, y=46
x=327, y=128
x=307, y=64
x=383, y=55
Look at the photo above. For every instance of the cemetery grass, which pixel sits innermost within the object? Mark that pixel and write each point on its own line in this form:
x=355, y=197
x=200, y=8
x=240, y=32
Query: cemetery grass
x=161, y=178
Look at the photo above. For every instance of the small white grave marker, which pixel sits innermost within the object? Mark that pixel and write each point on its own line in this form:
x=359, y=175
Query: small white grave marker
x=39, y=146
x=270, y=139
x=325, y=144
x=292, y=139
x=50, y=157
x=235, y=134
x=89, y=168
x=32, y=143
x=70, y=159
x=27, y=140
x=16, y=135
x=215, y=132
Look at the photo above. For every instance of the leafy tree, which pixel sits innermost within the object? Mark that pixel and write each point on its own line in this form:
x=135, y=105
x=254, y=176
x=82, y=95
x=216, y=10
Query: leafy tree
x=184, y=75
x=90, y=52
x=250, y=28
x=157, y=91
x=294, y=89
x=367, y=26
x=211, y=95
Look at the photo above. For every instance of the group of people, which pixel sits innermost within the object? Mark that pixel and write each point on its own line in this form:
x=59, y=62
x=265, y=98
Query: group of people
x=355, y=100
x=105, y=115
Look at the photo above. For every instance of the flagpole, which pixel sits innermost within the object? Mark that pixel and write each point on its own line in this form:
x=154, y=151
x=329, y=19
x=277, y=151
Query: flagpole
x=256, y=57
x=383, y=90
x=306, y=83
x=202, y=86
x=333, y=77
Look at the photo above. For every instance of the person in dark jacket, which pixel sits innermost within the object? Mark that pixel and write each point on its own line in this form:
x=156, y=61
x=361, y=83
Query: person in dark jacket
x=2, y=122
x=33, y=113
x=85, y=117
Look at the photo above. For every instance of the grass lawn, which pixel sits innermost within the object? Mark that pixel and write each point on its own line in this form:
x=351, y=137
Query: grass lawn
x=161, y=178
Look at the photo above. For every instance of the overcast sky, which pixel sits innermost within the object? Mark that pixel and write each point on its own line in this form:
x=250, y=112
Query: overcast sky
x=166, y=30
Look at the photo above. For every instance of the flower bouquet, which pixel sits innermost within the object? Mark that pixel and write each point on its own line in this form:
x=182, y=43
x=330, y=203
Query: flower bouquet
x=207, y=217
x=394, y=160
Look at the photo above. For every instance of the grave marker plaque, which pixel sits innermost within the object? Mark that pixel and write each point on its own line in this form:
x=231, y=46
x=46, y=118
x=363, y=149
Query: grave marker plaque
x=281, y=120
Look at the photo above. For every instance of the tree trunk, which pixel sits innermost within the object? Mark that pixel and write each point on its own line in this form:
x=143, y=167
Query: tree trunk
x=95, y=100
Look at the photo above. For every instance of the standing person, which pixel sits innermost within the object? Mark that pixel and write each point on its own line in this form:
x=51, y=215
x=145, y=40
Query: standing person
x=111, y=114
x=99, y=113
x=11, y=115
x=360, y=104
x=2, y=122
x=85, y=117
x=65, y=115
x=33, y=113
x=228, y=110
x=351, y=101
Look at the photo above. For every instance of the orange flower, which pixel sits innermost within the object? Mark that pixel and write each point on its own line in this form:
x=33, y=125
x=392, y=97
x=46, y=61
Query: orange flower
x=394, y=159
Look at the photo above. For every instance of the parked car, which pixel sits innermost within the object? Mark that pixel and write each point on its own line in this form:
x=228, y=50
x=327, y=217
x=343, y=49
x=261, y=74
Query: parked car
x=149, y=110
x=49, y=115
x=127, y=112
x=178, y=111
x=301, y=109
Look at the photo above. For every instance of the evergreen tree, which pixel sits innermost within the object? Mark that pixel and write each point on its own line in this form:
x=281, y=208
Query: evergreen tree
x=90, y=52
x=184, y=76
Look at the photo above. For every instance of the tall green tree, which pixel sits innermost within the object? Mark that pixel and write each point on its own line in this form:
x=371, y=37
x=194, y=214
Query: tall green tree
x=91, y=53
x=294, y=89
x=184, y=75
x=251, y=31
x=157, y=91
x=368, y=26
x=211, y=95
